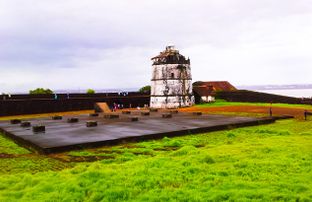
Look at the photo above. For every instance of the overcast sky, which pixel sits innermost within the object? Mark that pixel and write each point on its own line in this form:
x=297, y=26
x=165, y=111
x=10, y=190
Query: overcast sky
x=79, y=44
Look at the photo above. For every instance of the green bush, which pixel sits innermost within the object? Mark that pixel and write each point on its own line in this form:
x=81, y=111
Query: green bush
x=90, y=91
x=145, y=89
x=40, y=91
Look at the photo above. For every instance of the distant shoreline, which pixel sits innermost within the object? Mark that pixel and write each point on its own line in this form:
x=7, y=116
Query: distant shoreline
x=276, y=87
x=299, y=93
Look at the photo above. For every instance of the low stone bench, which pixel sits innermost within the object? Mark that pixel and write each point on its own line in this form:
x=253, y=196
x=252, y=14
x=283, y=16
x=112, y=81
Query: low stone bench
x=38, y=128
x=25, y=124
x=134, y=118
x=72, y=120
x=197, y=113
x=57, y=117
x=126, y=112
x=15, y=121
x=91, y=124
x=167, y=115
x=111, y=116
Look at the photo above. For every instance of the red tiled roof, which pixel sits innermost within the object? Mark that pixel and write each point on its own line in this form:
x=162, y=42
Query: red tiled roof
x=216, y=85
x=203, y=90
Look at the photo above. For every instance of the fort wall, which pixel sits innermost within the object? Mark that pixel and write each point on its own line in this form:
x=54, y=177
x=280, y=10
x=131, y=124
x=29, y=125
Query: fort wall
x=36, y=104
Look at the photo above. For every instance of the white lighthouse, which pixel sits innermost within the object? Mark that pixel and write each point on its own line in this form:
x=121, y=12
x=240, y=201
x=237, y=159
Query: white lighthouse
x=171, y=80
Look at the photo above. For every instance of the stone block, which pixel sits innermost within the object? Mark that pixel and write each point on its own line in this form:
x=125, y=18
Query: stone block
x=91, y=124
x=72, y=120
x=25, y=124
x=38, y=128
x=57, y=117
x=15, y=121
x=197, y=113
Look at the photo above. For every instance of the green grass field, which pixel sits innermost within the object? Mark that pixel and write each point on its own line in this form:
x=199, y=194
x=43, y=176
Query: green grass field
x=261, y=163
x=222, y=103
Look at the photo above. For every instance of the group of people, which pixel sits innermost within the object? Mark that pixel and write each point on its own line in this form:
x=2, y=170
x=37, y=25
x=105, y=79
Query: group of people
x=121, y=106
x=117, y=106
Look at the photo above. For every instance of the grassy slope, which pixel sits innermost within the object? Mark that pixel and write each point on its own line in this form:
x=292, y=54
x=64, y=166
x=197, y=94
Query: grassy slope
x=264, y=163
x=9, y=147
x=16, y=159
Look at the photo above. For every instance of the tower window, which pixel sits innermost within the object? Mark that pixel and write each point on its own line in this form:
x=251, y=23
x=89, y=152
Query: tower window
x=172, y=75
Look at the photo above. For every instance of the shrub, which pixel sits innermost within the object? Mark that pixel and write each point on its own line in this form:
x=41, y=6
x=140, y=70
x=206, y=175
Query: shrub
x=40, y=91
x=145, y=89
x=90, y=91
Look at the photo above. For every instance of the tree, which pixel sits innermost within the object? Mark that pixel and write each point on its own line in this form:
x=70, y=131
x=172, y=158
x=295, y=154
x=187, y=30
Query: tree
x=40, y=91
x=90, y=91
x=145, y=89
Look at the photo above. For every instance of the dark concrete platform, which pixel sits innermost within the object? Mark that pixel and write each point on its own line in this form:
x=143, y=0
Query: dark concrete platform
x=61, y=136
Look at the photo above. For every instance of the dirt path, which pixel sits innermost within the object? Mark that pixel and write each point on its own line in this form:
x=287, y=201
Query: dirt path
x=298, y=113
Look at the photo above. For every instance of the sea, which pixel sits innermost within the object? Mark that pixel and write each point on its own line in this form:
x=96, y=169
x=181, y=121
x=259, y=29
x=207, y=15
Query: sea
x=299, y=93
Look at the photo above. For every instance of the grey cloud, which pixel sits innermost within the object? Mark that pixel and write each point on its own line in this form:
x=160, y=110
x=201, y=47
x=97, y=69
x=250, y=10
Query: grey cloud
x=222, y=37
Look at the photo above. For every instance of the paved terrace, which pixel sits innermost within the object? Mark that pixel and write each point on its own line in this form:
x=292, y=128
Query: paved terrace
x=62, y=136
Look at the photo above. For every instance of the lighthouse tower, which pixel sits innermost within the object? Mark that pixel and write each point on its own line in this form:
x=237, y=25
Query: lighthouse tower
x=171, y=80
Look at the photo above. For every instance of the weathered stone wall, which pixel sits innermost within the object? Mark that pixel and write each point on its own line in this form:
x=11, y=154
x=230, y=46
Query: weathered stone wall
x=171, y=86
x=171, y=101
x=165, y=71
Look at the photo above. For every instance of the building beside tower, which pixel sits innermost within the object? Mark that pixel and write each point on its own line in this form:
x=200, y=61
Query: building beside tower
x=171, y=85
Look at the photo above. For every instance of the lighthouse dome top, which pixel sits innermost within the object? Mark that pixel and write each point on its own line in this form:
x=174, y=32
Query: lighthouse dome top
x=170, y=56
x=170, y=48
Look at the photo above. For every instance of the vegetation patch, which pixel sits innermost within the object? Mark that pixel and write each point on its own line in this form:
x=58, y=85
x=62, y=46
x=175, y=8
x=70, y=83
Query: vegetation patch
x=222, y=103
x=7, y=146
x=260, y=163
